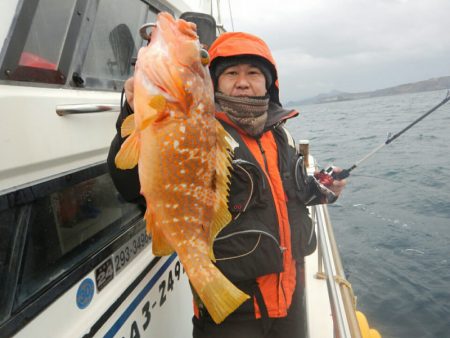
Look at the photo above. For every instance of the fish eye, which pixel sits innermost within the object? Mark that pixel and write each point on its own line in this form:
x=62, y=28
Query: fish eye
x=204, y=57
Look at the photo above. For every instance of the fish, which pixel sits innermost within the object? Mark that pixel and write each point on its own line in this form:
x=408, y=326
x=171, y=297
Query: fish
x=184, y=158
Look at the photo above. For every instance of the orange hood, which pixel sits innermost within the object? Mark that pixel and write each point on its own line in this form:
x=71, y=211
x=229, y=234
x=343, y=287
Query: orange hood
x=237, y=43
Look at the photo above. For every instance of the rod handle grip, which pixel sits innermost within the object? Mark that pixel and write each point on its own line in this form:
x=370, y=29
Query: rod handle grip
x=341, y=175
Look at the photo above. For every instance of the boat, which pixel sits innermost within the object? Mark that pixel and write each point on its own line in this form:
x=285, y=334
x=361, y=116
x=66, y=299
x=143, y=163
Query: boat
x=75, y=260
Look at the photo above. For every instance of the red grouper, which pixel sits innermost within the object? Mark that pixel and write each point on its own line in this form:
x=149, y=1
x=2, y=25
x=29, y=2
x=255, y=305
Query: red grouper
x=183, y=156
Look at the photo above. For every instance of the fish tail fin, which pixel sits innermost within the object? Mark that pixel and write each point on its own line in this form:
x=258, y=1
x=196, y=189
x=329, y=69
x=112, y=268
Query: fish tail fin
x=220, y=296
x=223, y=164
x=128, y=155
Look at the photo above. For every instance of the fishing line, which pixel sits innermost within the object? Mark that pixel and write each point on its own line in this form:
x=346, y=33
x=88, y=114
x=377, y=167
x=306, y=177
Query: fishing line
x=327, y=176
x=383, y=216
x=376, y=177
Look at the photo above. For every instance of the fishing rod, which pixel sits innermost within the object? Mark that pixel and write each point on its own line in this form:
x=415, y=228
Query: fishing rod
x=327, y=176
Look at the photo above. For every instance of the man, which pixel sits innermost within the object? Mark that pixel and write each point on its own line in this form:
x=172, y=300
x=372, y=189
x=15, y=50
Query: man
x=262, y=249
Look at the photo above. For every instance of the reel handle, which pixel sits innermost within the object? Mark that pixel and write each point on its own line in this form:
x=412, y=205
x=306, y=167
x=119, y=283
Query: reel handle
x=327, y=176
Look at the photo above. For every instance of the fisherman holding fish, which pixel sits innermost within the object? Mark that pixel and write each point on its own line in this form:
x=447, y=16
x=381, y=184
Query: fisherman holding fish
x=246, y=210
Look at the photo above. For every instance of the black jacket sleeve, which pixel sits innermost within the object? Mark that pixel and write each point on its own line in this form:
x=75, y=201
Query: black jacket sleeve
x=126, y=181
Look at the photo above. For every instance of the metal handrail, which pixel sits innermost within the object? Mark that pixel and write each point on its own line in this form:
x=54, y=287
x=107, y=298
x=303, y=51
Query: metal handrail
x=337, y=306
x=341, y=297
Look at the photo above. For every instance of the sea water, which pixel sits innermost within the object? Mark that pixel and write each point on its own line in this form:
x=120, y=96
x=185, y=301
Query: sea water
x=392, y=222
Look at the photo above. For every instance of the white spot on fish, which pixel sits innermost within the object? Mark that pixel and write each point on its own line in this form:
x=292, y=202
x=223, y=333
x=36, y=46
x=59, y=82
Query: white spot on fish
x=183, y=129
x=176, y=144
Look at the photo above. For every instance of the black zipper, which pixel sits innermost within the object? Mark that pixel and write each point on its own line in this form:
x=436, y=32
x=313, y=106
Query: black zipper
x=263, y=153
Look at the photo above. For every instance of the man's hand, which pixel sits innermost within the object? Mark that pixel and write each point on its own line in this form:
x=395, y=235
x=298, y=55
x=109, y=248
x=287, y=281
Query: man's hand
x=338, y=185
x=129, y=91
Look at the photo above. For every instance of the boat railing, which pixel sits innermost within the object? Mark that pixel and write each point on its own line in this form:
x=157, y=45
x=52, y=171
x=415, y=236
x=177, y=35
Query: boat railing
x=342, y=300
x=329, y=265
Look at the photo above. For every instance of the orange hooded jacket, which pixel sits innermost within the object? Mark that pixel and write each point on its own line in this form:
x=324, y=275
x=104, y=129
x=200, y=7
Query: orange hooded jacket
x=277, y=289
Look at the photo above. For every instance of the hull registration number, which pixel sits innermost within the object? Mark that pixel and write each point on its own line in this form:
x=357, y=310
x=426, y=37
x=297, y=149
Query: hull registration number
x=129, y=250
x=106, y=271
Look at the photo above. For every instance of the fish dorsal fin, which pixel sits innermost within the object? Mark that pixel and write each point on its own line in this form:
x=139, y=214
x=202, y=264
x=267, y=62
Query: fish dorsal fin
x=222, y=215
x=128, y=155
x=128, y=126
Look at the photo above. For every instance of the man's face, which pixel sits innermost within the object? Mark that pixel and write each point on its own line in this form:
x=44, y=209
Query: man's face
x=242, y=80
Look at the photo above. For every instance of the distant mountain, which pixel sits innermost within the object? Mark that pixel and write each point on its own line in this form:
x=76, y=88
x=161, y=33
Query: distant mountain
x=335, y=96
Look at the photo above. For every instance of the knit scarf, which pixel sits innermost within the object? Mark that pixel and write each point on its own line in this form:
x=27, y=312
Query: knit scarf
x=248, y=113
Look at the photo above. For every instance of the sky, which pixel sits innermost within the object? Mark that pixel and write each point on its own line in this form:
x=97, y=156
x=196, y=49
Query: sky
x=347, y=45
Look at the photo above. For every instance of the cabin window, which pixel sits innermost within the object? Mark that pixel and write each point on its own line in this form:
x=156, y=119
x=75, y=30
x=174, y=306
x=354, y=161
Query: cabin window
x=36, y=51
x=7, y=230
x=48, y=31
x=49, y=236
x=114, y=43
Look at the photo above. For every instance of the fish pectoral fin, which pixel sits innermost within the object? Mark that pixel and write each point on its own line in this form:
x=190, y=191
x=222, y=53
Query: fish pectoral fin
x=158, y=102
x=160, y=245
x=128, y=155
x=222, y=215
x=155, y=110
x=128, y=126
x=149, y=220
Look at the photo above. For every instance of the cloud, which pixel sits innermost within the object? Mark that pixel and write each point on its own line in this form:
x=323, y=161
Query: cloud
x=349, y=45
